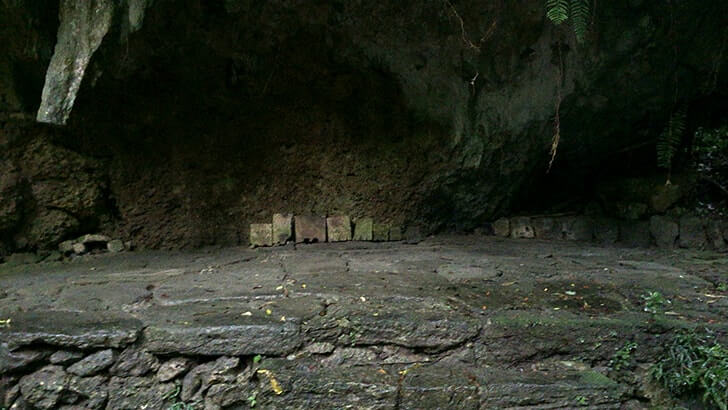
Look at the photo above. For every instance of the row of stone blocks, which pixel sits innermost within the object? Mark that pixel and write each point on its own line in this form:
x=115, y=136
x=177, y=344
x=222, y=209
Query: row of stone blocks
x=686, y=232
x=310, y=229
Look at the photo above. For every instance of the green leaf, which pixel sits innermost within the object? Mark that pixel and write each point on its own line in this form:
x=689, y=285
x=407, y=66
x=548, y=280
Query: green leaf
x=557, y=10
x=580, y=14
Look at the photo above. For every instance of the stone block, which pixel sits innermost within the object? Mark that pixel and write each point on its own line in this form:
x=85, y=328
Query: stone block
x=338, y=228
x=79, y=248
x=413, y=235
x=363, y=229
x=546, y=228
x=692, y=233
x=310, y=229
x=282, y=228
x=665, y=196
x=502, y=227
x=261, y=234
x=521, y=228
x=635, y=233
x=93, y=238
x=606, y=230
x=578, y=228
x=714, y=231
x=395, y=233
x=664, y=231
x=380, y=232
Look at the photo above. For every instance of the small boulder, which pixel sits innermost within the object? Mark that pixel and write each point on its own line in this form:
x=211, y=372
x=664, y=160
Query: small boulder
x=714, y=231
x=199, y=379
x=664, y=231
x=261, y=235
x=115, y=246
x=502, y=227
x=546, y=228
x=665, y=196
x=94, y=363
x=66, y=247
x=363, y=229
x=79, y=248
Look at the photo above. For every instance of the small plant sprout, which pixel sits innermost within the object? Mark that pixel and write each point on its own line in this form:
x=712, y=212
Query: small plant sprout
x=623, y=357
x=723, y=286
x=654, y=302
x=252, y=399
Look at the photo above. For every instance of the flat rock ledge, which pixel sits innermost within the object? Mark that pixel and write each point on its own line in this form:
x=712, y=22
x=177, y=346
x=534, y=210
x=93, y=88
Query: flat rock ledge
x=458, y=322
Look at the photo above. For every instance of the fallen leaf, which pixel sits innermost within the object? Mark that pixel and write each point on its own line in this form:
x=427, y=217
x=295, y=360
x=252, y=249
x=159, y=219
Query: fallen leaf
x=277, y=389
x=247, y=314
x=268, y=312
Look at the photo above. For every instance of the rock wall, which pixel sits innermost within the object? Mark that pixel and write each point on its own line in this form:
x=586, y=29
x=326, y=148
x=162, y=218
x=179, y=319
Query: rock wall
x=215, y=115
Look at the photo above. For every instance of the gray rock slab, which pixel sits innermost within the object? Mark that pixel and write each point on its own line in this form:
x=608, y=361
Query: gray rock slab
x=363, y=229
x=81, y=330
x=282, y=228
x=664, y=231
x=310, y=229
x=20, y=359
x=139, y=393
x=544, y=228
x=93, y=238
x=203, y=329
x=261, y=234
x=338, y=228
x=94, y=363
x=43, y=388
x=200, y=378
x=134, y=362
x=395, y=233
x=173, y=368
x=65, y=357
x=115, y=246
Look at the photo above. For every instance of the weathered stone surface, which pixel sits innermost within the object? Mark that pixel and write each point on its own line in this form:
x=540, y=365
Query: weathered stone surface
x=51, y=226
x=282, y=228
x=631, y=210
x=177, y=329
x=89, y=239
x=338, y=228
x=380, y=232
x=714, y=232
x=413, y=235
x=173, y=368
x=65, y=357
x=9, y=391
x=261, y=234
x=665, y=196
x=66, y=247
x=43, y=389
x=363, y=229
x=395, y=233
x=502, y=227
x=635, y=233
x=692, y=232
x=94, y=363
x=93, y=389
x=577, y=228
x=128, y=393
x=200, y=378
x=79, y=248
x=544, y=228
x=223, y=395
x=134, y=362
x=606, y=231
x=20, y=359
x=11, y=197
x=81, y=330
x=83, y=25
x=310, y=229
x=115, y=246
x=521, y=228
x=664, y=231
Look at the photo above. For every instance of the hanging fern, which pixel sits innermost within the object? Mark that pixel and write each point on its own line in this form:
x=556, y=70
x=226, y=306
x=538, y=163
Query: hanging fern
x=669, y=140
x=557, y=10
x=579, y=15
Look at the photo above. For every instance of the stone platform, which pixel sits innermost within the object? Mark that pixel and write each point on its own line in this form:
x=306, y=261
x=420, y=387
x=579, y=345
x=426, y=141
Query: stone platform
x=453, y=322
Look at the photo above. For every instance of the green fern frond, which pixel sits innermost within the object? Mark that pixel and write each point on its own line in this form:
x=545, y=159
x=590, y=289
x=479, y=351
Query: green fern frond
x=579, y=14
x=670, y=138
x=557, y=10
